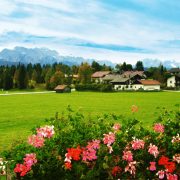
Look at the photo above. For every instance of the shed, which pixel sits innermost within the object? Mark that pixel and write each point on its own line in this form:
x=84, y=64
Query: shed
x=62, y=89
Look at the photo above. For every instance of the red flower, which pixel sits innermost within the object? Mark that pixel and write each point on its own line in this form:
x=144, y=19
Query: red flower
x=163, y=160
x=170, y=167
x=116, y=170
x=68, y=165
x=75, y=153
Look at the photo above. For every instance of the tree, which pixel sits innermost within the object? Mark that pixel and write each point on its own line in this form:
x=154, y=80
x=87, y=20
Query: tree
x=7, y=80
x=96, y=66
x=139, y=66
x=85, y=72
x=57, y=79
x=22, y=78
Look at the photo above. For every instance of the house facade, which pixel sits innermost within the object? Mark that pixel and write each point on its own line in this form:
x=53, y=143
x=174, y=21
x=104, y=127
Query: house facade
x=99, y=75
x=174, y=81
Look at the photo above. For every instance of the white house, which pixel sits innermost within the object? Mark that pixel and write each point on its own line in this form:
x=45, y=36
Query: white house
x=147, y=85
x=98, y=76
x=173, y=81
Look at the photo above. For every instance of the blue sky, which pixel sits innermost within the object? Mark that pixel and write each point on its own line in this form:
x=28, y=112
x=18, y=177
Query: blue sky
x=117, y=30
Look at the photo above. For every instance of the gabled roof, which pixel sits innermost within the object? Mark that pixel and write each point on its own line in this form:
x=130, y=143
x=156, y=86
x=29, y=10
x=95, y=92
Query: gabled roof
x=174, y=70
x=119, y=80
x=149, y=82
x=133, y=73
x=100, y=74
x=60, y=87
x=111, y=77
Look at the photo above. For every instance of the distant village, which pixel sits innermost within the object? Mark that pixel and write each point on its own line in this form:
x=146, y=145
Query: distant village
x=92, y=77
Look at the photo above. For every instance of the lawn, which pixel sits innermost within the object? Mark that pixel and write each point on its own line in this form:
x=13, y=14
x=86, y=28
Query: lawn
x=19, y=113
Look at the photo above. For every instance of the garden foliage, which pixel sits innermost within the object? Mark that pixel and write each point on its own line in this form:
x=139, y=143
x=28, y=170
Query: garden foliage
x=74, y=146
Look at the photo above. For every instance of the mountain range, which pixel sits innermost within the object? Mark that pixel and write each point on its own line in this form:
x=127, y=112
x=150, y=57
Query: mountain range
x=47, y=56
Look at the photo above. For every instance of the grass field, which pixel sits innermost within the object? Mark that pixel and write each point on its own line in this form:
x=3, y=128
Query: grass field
x=19, y=113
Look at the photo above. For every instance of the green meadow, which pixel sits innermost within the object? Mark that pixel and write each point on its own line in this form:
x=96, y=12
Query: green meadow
x=19, y=113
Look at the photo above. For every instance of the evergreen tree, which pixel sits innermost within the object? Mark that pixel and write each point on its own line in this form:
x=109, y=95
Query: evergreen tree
x=22, y=78
x=139, y=66
x=7, y=80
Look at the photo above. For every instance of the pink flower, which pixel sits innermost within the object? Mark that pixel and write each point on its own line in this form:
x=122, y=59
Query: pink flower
x=68, y=158
x=36, y=141
x=137, y=144
x=46, y=131
x=152, y=166
x=176, y=139
x=131, y=167
x=110, y=149
x=127, y=156
x=153, y=150
x=116, y=127
x=109, y=138
x=30, y=159
x=176, y=158
x=161, y=174
x=172, y=176
x=95, y=144
x=89, y=154
x=158, y=127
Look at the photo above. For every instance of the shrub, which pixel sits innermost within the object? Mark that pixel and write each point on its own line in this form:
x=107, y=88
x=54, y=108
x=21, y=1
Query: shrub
x=78, y=147
x=94, y=87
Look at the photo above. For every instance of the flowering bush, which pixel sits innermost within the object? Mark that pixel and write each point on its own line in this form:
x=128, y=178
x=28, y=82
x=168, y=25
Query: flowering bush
x=74, y=147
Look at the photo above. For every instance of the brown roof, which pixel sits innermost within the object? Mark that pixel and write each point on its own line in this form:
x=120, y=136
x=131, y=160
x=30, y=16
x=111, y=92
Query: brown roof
x=133, y=73
x=100, y=74
x=60, y=87
x=149, y=82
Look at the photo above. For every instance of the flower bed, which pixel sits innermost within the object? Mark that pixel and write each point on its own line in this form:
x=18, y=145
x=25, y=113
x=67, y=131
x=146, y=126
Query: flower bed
x=78, y=147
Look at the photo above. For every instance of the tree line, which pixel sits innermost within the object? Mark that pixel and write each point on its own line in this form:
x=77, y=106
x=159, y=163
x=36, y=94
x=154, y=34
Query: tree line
x=28, y=76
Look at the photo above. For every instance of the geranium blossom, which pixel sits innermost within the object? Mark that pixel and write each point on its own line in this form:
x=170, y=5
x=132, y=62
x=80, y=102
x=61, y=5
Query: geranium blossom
x=170, y=167
x=171, y=176
x=89, y=154
x=152, y=166
x=46, y=131
x=137, y=144
x=68, y=165
x=36, y=141
x=116, y=170
x=22, y=169
x=109, y=138
x=74, y=153
x=176, y=158
x=176, y=139
x=131, y=167
x=30, y=159
x=161, y=174
x=116, y=127
x=127, y=156
x=163, y=160
x=95, y=144
x=153, y=150
x=158, y=127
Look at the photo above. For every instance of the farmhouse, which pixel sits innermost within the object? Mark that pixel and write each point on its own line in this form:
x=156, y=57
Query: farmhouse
x=148, y=85
x=174, y=71
x=62, y=89
x=97, y=76
x=174, y=81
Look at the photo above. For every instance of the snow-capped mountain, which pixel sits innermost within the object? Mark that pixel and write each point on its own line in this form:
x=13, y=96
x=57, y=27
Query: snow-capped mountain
x=40, y=55
x=156, y=62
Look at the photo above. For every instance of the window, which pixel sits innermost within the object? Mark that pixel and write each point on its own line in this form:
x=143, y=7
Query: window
x=170, y=82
